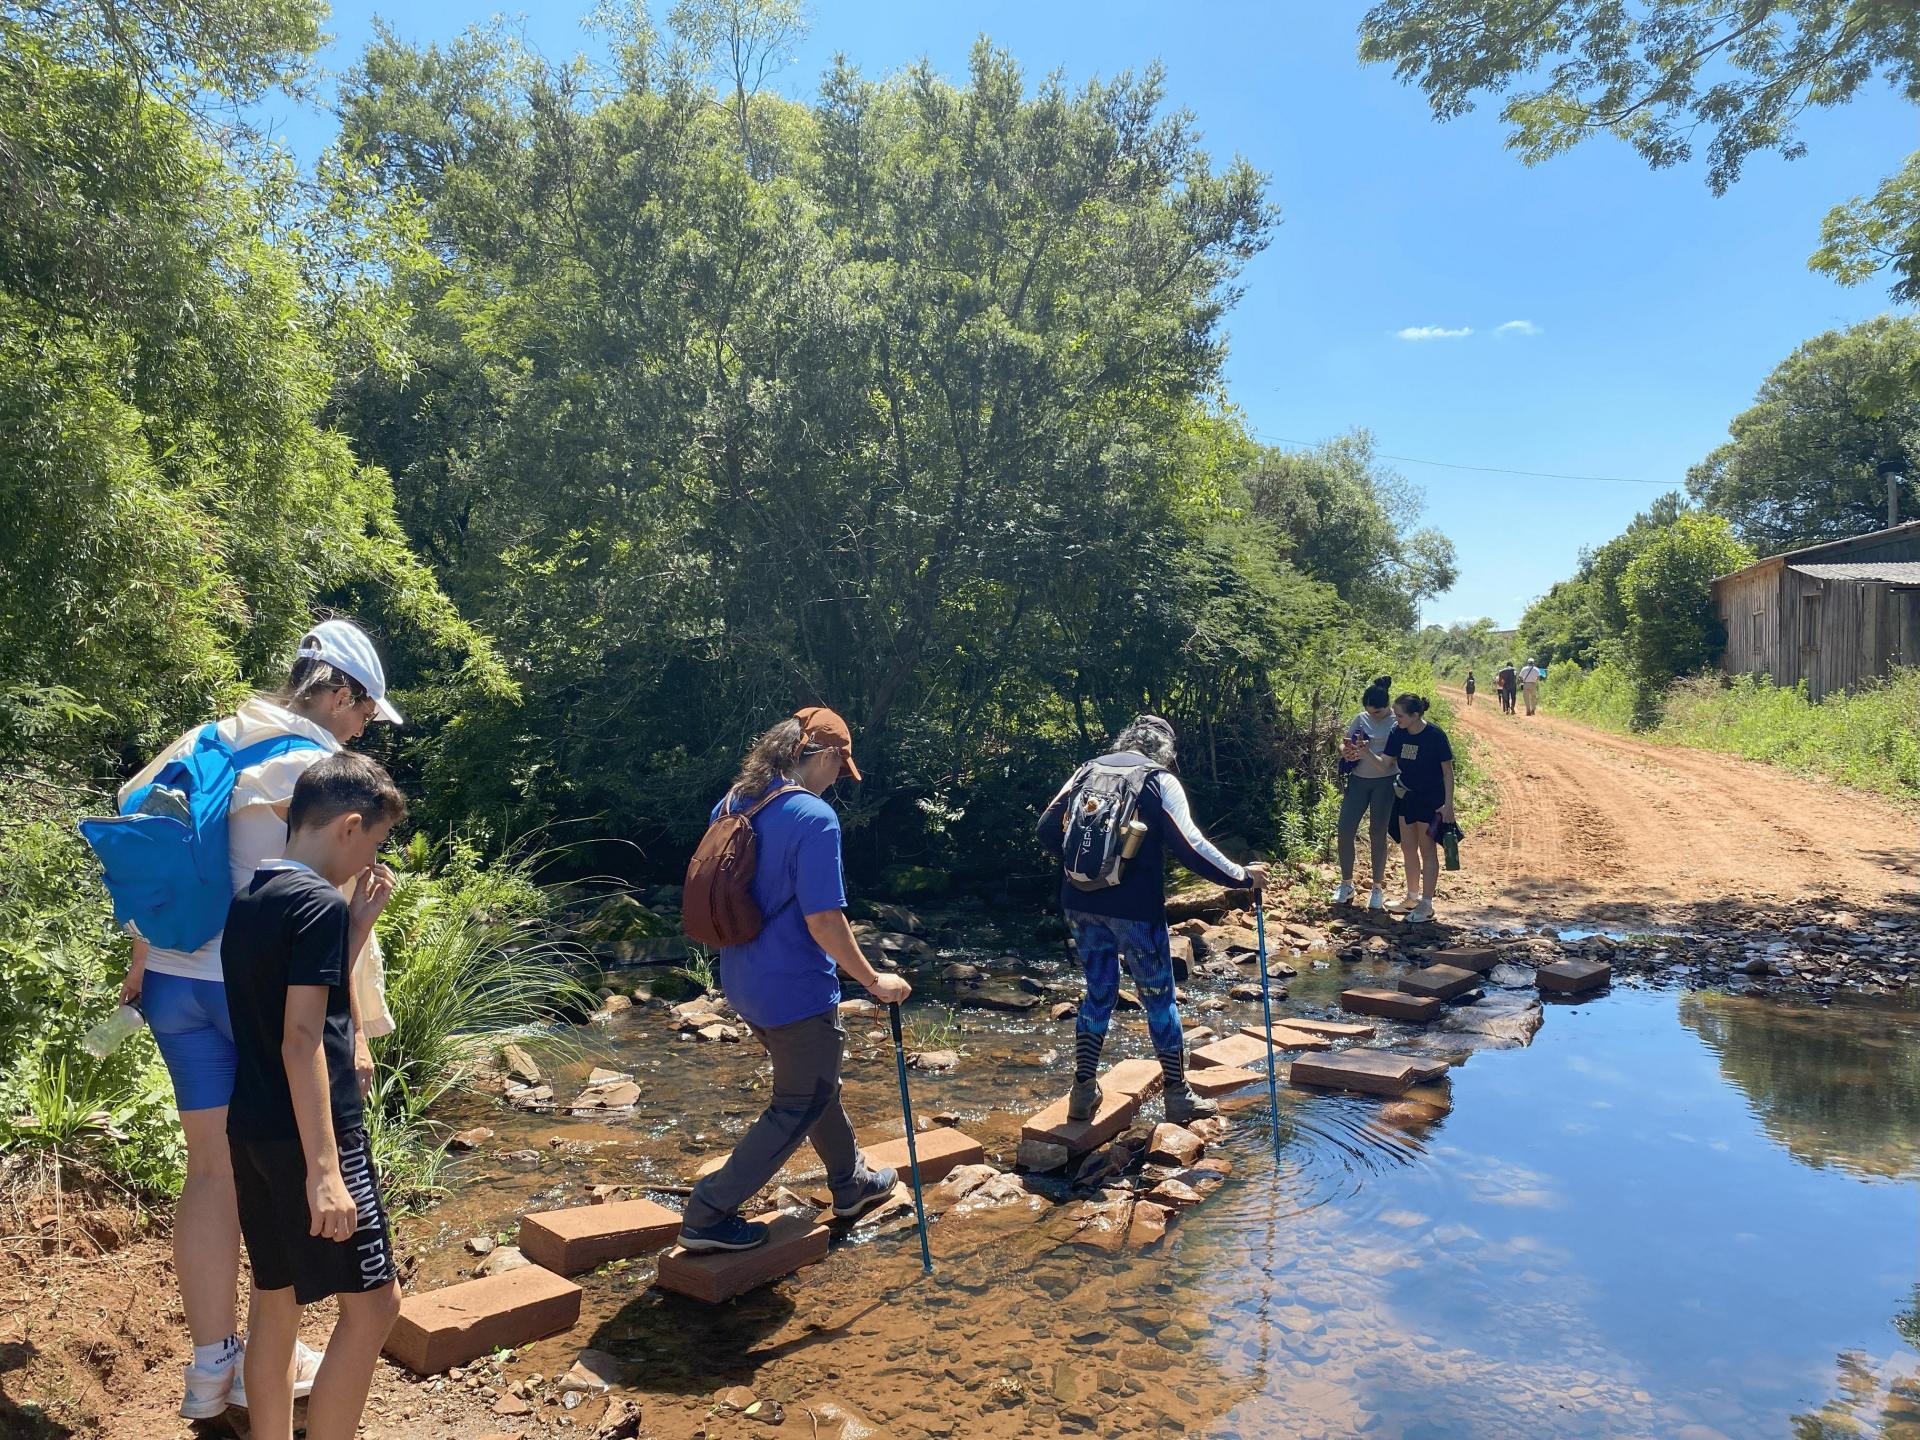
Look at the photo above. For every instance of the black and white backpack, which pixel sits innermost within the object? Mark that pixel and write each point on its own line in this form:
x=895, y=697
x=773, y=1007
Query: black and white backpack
x=1102, y=802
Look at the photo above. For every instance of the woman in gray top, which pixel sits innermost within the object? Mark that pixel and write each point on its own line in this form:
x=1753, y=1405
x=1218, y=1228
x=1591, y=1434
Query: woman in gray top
x=1369, y=791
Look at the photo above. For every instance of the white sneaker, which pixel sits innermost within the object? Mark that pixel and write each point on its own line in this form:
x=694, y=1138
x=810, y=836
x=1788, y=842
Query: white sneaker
x=1420, y=913
x=1343, y=893
x=210, y=1391
x=1377, y=900
x=1405, y=902
x=306, y=1365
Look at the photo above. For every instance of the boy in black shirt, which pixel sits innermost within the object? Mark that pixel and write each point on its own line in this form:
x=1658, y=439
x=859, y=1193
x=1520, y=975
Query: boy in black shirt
x=309, y=1199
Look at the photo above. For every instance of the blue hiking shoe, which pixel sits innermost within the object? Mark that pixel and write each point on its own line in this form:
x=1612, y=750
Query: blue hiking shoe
x=732, y=1233
x=879, y=1190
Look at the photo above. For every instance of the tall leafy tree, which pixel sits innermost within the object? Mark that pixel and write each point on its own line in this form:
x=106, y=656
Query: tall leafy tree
x=1664, y=74
x=1808, y=461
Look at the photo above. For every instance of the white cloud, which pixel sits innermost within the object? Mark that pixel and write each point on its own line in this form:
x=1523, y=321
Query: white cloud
x=1518, y=327
x=1432, y=332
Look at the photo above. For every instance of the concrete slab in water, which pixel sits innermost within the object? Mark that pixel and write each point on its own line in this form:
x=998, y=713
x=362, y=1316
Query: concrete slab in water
x=1369, y=1000
x=719, y=1276
x=450, y=1326
x=1241, y=1052
x=1285, y=1037
x=1375, y=1072
x=1140, y=1077
x=1051, y=1126
x=941, y=1151
x=1442, y=982
x=1574, y=977
x=1332, y=1029
x=1216, y=1080
x=584, y=1236
x=1477, y=958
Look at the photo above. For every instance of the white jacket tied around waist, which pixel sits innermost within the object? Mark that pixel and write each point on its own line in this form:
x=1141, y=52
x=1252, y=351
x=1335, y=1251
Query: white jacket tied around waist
x=257, y=831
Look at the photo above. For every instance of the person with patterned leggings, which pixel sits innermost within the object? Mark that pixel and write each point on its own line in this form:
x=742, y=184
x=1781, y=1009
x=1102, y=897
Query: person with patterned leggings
x=1126, y=921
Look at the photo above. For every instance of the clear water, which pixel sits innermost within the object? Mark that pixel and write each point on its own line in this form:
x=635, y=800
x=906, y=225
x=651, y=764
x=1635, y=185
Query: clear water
x=1674, y=1215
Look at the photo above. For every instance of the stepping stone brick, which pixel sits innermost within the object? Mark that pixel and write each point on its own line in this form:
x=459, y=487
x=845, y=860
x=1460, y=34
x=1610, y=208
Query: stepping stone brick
x=1285, y=1037
x=1574, y=977
x=1052, y=1128
x=1366, y=1000
x=439, y=1329
x=585, y=1236
x=942, y=1150
x=1332, y=1029
x=717, y=1276
x=1139, y=1077
x=1240, y=1052
x=1477, y=958
x=1376, y=1072
x=1442, y=982
x=1216, y=1080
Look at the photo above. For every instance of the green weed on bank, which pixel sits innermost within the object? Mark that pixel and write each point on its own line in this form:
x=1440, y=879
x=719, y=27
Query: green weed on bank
x=1869, y=740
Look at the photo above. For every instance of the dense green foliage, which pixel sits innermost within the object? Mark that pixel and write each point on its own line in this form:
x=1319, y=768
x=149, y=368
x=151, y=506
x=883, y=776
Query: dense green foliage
x=1805, y=461
x=1659, y=75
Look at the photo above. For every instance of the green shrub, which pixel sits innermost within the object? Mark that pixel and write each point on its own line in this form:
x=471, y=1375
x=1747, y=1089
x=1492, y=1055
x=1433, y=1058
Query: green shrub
x=1601, y=695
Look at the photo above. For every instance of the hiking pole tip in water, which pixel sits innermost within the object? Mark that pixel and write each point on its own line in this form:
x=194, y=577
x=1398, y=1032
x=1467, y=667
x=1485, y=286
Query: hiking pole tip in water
x=913, y=1152
x=1266, y=1012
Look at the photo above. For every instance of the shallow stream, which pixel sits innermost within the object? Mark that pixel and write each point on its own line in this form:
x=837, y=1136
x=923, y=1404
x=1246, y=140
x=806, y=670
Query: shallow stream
x=1673, y=1214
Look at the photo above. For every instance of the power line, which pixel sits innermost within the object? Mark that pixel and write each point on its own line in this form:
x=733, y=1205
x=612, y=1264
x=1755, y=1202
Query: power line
x=1482, y=469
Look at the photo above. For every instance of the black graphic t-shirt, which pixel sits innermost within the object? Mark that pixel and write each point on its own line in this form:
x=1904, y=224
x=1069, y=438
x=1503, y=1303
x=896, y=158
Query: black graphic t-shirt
x=287, y=927
x=1421, y=757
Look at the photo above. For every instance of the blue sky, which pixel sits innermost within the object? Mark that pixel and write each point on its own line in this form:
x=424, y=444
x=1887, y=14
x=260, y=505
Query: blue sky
x=1652, y=310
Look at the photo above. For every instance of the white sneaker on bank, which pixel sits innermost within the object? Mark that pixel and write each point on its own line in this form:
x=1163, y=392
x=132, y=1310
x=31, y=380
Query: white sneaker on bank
x=1343, y=893
x=306, y=1365
x=209, y=1391
x=1405, y=902
x=1377, y=900
x=1420, y=913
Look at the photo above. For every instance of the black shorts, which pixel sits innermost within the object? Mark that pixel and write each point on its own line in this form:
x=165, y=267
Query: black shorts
x=1414, y=809
x=270, y=1183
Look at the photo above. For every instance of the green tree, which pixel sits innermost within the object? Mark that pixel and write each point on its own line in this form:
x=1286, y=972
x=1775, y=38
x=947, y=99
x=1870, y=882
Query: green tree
x=1805, y=461
x=1660, y=74
x=1673, y=628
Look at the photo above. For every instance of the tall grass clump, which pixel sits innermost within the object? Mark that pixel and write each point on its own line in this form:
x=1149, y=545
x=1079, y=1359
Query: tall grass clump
x=1602, y=694
x=470, y=953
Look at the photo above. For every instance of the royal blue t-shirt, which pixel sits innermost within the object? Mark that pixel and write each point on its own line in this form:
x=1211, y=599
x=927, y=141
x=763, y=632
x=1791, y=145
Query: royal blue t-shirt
x=782, y=975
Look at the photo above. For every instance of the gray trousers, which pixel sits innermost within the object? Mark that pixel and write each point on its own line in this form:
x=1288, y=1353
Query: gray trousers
x=1372, y=798
x=806, y=1106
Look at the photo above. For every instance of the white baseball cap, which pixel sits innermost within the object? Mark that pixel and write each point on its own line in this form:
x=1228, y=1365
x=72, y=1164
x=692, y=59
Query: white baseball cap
x=345, y=646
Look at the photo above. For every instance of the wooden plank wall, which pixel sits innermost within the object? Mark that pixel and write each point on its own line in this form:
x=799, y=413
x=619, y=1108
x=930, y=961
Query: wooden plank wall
x=1854, y=632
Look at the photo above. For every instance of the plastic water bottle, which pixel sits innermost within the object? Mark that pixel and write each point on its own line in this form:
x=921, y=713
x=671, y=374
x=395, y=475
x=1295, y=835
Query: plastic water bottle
x=1450, y=847
x=113, y=1032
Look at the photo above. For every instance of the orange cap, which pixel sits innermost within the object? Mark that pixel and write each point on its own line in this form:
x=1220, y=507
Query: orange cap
x=826, y=730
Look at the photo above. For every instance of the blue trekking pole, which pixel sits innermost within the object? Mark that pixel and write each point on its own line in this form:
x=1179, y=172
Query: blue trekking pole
x=913, y=1152
x=1266, y=1012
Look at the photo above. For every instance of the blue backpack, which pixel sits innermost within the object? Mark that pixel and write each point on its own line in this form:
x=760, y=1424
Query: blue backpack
x=165, y=853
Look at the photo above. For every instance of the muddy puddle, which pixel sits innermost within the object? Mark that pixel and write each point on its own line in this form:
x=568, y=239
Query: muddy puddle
x=1671, y=1215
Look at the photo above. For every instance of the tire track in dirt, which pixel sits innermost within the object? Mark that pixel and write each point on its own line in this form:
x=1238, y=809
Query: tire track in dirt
x=1596, y=828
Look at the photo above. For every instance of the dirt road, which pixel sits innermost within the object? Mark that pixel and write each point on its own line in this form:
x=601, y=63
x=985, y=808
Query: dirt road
x=1600, y=829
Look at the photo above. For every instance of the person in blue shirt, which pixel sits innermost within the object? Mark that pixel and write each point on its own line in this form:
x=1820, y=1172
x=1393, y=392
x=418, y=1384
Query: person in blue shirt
x=1129, y=919
x=784, y=982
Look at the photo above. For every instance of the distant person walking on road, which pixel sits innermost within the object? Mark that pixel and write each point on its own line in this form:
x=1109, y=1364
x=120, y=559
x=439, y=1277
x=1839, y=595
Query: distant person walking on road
x=1530, y=685
x=1368, y=792
x=1111, y=827
x=1470, y=687
x=1424, y=756
x=1509, y=683
x=783, y=981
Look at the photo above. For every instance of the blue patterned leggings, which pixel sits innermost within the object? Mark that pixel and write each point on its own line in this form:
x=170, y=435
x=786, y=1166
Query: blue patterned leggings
x=1102, y=941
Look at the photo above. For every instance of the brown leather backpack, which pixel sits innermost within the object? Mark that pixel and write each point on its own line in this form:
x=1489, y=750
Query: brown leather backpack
x=717, y=907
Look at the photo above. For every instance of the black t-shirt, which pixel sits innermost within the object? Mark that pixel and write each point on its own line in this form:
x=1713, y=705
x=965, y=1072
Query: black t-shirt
x=287, y=927
x=1421, y=757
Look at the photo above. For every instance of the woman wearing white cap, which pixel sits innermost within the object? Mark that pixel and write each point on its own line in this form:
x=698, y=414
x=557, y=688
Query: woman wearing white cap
x=337, y=685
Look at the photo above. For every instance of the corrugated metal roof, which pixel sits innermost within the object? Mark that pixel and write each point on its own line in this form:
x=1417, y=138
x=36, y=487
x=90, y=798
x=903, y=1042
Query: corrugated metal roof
x=1894, y=572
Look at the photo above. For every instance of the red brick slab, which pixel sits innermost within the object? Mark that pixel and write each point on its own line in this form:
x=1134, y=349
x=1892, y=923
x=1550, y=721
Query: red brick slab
x=585, y=1236
x=1051, y=1126
x=1366, y=1000
x=1140, y=1077
x=1442, y=982
x=443, y=1328
x=1477, y=958
x=1222, y=1080
x=1574, y=977
x=1332, y=1029
x=941, y=1150
x=1238, y=1052
x=720, y=1275
x=1285, y=1037
x=1376, y=1072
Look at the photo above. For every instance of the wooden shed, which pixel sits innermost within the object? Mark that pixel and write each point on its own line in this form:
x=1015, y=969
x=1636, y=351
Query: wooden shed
x=1834, y=615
